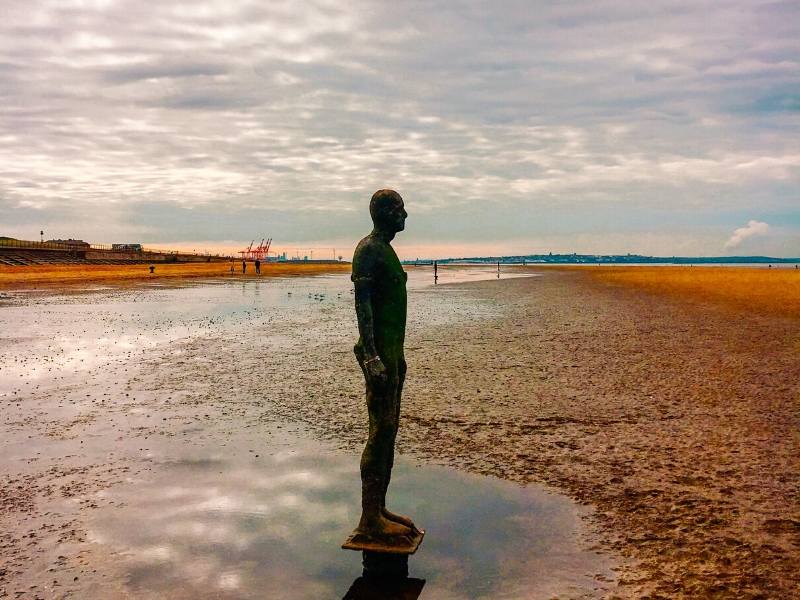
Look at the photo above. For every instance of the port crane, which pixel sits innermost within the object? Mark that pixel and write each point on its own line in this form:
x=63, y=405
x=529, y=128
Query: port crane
x=260, y=252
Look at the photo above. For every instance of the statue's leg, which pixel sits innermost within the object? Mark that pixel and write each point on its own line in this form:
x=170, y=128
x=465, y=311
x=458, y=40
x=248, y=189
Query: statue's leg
x=375, y=459
x=402, y=367
x=395, y=393
x=396, y=397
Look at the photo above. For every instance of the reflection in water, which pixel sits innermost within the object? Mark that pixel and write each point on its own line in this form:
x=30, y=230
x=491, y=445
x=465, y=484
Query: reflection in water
x=271, y=527
x=54, y=338
x=405, y=589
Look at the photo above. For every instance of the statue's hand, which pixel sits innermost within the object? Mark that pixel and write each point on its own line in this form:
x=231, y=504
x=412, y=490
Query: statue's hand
x=376, y=370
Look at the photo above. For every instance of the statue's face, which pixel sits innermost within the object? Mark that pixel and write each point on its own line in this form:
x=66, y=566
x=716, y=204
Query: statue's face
x=396, y=216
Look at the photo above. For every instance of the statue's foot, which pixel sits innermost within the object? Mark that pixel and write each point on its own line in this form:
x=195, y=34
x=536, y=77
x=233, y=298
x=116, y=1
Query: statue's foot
x=381, y=535
x=381, y=527
x=402, y=519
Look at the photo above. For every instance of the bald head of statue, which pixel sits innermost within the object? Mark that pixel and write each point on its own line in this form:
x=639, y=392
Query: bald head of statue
x=387, y=211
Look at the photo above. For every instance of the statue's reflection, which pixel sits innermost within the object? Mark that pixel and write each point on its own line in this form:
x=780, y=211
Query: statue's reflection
x=398, y=589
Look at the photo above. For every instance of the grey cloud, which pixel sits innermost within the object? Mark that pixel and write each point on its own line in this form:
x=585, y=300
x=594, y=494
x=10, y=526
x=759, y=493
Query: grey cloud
x=468, y=108
x=159, y=70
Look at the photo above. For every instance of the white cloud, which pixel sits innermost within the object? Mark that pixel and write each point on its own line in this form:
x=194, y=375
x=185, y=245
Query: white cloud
x=753, y=228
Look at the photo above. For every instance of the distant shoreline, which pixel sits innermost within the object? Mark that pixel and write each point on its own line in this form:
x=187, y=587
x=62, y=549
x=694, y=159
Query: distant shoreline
x=608, y=259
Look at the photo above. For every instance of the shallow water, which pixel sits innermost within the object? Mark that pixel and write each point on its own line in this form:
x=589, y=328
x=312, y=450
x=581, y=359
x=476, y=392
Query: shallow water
x=50, y=338
x=270, y=526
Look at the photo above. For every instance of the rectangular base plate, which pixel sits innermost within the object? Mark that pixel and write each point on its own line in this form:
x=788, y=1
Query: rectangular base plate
x=401, y=545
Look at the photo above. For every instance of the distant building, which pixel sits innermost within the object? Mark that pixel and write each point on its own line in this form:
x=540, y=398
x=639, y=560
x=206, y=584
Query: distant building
x=77, y=244
x=128, y=247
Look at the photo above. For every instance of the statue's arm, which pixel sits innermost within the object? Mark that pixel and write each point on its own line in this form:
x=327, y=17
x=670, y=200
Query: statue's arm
x=366, y=268
x=366, y=328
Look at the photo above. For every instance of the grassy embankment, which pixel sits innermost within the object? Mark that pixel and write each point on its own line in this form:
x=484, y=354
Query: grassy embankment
x=44, y=276
x=769, y=291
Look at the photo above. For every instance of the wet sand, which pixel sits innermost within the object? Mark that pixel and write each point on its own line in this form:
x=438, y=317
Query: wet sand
x=58, y=276
x=674, y=419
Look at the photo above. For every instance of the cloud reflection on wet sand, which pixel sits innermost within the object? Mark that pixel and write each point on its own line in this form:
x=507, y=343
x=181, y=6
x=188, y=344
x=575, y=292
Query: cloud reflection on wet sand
x=271, y=527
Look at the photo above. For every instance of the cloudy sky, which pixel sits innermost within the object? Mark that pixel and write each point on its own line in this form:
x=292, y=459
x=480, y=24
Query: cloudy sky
x=508, y=127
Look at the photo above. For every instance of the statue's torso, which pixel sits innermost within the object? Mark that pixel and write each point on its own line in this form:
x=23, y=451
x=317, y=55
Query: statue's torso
x=376, y=261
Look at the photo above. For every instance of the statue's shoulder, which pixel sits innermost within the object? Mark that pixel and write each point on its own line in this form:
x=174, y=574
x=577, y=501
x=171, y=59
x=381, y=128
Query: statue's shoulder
x=367, y=258
x=369, y=243
x=370, y=249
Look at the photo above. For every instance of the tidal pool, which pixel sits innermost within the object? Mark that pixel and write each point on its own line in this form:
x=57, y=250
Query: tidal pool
x=271, y=526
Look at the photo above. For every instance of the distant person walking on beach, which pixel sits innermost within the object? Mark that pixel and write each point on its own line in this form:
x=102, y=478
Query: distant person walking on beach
x=258, y=267
x=244, y=267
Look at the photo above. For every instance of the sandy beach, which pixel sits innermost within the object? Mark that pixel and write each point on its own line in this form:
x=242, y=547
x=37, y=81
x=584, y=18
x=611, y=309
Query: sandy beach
x=676, y=419
x=672, y=415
